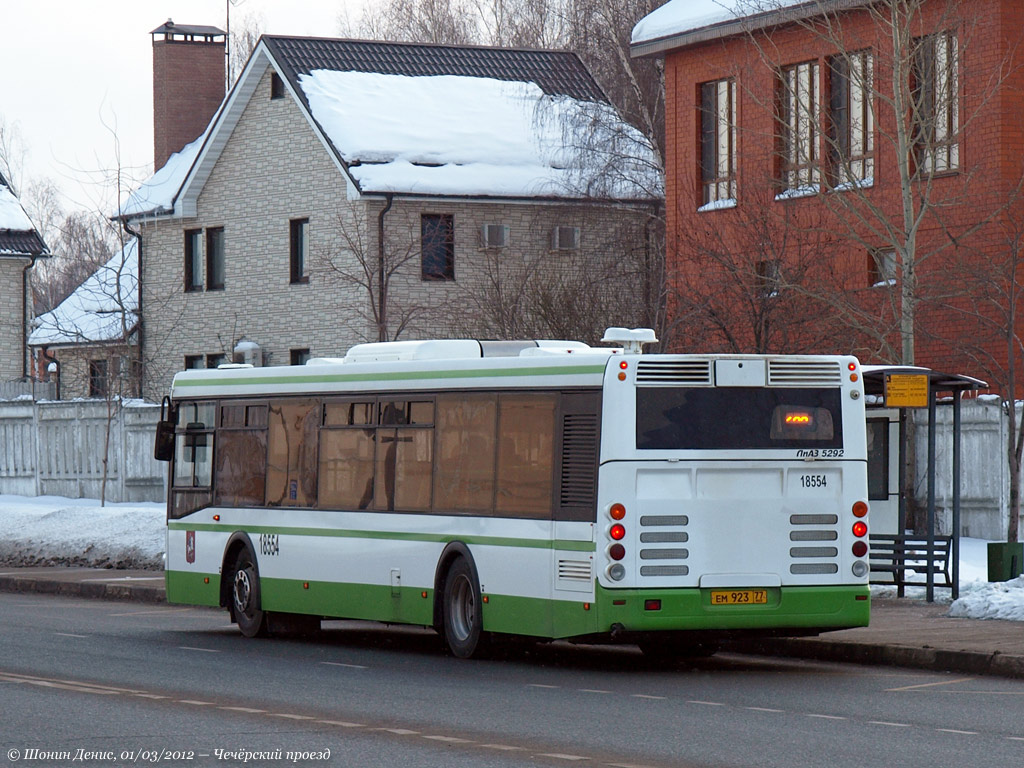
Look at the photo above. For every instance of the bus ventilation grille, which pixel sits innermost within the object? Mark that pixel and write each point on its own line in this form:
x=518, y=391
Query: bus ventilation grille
x=803, y=554
x=579, y=460
x=667, y=532
x=799, y=373
x=693, y=372
x=575, y=570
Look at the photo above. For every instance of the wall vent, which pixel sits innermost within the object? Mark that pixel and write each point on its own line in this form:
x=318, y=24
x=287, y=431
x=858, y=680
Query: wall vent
x=695, y=373
x=802, y=373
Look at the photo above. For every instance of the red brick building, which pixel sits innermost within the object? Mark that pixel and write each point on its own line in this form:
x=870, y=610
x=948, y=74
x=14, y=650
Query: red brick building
x=838, y=172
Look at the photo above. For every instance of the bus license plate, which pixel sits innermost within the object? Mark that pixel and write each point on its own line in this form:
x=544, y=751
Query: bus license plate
x=740, y=597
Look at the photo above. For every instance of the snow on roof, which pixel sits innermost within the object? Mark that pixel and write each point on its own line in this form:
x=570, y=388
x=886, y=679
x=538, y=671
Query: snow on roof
x=157, y=193
x=93, y=312
x=470, y=136
x=677, y=17
x=12, y=215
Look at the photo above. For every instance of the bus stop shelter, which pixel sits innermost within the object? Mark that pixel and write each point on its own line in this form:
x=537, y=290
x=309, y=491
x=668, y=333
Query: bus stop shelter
x=903, y=388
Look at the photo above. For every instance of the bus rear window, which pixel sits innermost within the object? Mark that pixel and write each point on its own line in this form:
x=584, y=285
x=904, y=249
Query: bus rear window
x=737, y=418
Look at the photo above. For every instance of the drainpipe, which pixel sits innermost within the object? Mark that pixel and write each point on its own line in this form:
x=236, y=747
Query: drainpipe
x=24, y=314
x=382, y=325
x=138, y=309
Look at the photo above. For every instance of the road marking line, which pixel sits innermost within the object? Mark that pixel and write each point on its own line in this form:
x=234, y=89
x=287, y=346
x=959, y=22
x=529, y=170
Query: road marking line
x=706, y=703
x=247, y=710
x=68, y=634
x=1015, y=738
x=201, y=650
x=645, y=696
x=962, y=733
x=339, y=664
x=628, y=765
x=929, y=685
x=504, y=747
x=592, y=690
x=151, y=696
x=449, y=739
x=883, y=722
x=559, y=756
x=151, y=613
x=828, y=717
x=398, y=731
x=196, y=703
x=291, y=717
x=764, y=709
x=540, y=685
x=342, y=723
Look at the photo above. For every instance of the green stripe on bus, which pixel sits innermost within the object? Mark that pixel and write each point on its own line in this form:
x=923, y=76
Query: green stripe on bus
x=334, y=378
x=440, y=538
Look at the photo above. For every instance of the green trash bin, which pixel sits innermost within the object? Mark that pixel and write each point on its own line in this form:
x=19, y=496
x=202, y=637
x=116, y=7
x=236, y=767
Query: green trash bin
x=1005, y=560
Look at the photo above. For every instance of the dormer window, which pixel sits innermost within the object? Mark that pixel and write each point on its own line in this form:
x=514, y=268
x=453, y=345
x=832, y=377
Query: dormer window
x=565, y=238
x=276, y=86
x=494, y=236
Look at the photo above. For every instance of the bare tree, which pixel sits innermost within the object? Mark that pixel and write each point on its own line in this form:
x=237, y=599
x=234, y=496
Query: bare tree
x=242, y=41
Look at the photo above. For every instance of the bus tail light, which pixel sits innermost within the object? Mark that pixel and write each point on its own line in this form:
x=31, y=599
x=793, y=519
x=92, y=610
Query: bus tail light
x=860, y=569
x=616, y=511
x=860, y=508
x=860, y=529
x=860, y=548
x=617, y=531
x=616, y=551
x=616, y=571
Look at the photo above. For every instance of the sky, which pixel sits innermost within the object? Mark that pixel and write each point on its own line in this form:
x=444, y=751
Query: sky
x=76, y=79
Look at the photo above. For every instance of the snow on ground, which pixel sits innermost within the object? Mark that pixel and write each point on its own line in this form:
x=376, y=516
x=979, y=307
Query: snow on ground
x=50, y=530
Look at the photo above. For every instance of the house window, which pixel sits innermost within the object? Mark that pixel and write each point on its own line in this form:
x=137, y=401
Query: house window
x=215, y=258
x=299, y=250
x=276, y=86
x=883, y=269
x=565, y=238
x=718, y=140
x=212, y=361
x=193, y=260
x=799, y=97
x=98, y=381
x=437, y=235
x=494, y=236
x=936, y=103
x=851, y=117
x=299, y=356
x=193, y=361
x=769, y=279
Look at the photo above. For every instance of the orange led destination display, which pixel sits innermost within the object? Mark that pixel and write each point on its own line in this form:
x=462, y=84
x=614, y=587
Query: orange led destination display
x=906, y=390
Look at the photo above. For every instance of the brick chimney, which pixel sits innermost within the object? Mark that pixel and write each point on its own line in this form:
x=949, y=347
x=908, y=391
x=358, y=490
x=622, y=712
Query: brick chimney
x=188, y=84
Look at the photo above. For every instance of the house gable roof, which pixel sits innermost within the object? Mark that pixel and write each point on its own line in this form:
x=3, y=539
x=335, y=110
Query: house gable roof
x=18, y=236
x=519, y=77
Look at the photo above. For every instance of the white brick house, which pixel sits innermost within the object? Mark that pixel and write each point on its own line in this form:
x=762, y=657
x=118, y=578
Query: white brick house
x=261, y=239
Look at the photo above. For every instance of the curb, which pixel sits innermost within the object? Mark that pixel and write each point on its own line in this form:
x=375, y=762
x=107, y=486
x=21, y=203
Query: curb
x=96, y=590
x=917, y=657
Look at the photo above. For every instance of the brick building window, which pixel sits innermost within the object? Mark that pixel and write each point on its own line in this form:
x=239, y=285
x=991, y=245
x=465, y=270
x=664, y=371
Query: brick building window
x=215, y=258
x=565, y=238
x=883, y=269
x=851, y=117
x=769, y=279
x=437, y=242
x=718, y=140
x=936, y=109
x=799, y=120
x=193, y=361
x=299, y=238
x=193, y=260
x=298, y=356
x=212, y=361
x=99, y=383
x=276, y=86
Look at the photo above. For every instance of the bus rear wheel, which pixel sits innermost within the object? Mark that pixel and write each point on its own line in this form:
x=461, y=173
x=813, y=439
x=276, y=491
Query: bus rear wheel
x=463, y=623
x=245, y=596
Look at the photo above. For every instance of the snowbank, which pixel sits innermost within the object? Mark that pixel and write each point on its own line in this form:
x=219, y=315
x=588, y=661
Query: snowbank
x=50, y=530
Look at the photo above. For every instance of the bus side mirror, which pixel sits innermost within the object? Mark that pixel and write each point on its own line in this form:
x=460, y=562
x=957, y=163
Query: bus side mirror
x=163, y=449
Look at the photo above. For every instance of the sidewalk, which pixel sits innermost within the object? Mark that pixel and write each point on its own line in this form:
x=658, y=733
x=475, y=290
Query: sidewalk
x=903, y=632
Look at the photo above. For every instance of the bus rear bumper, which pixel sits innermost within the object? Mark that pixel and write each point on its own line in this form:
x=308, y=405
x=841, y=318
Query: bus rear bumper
x=804, y=610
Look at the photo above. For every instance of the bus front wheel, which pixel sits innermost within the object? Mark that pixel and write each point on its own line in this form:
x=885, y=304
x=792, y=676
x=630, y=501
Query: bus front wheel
x=463, y=623
x=245, y=596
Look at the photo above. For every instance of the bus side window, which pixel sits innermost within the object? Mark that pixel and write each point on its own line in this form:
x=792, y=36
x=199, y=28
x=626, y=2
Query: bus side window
x=464, y=464
x=526, y=426
x=292, y=454
x=192, y=476
x=241, y=457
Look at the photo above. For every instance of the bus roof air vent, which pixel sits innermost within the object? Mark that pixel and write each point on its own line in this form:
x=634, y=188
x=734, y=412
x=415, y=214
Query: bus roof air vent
x=800, y=373
x=695, y=373
x=632, y=341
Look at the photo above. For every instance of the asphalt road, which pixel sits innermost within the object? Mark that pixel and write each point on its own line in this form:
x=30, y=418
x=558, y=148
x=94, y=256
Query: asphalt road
x=136, y=683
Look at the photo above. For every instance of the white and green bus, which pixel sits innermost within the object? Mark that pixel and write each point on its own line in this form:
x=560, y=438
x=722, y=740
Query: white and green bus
x=544, y=489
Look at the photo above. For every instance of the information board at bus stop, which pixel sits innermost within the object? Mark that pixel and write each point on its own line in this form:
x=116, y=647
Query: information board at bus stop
x=906, y=390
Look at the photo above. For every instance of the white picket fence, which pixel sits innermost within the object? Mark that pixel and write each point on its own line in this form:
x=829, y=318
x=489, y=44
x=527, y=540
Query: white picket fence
x=57, y=449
